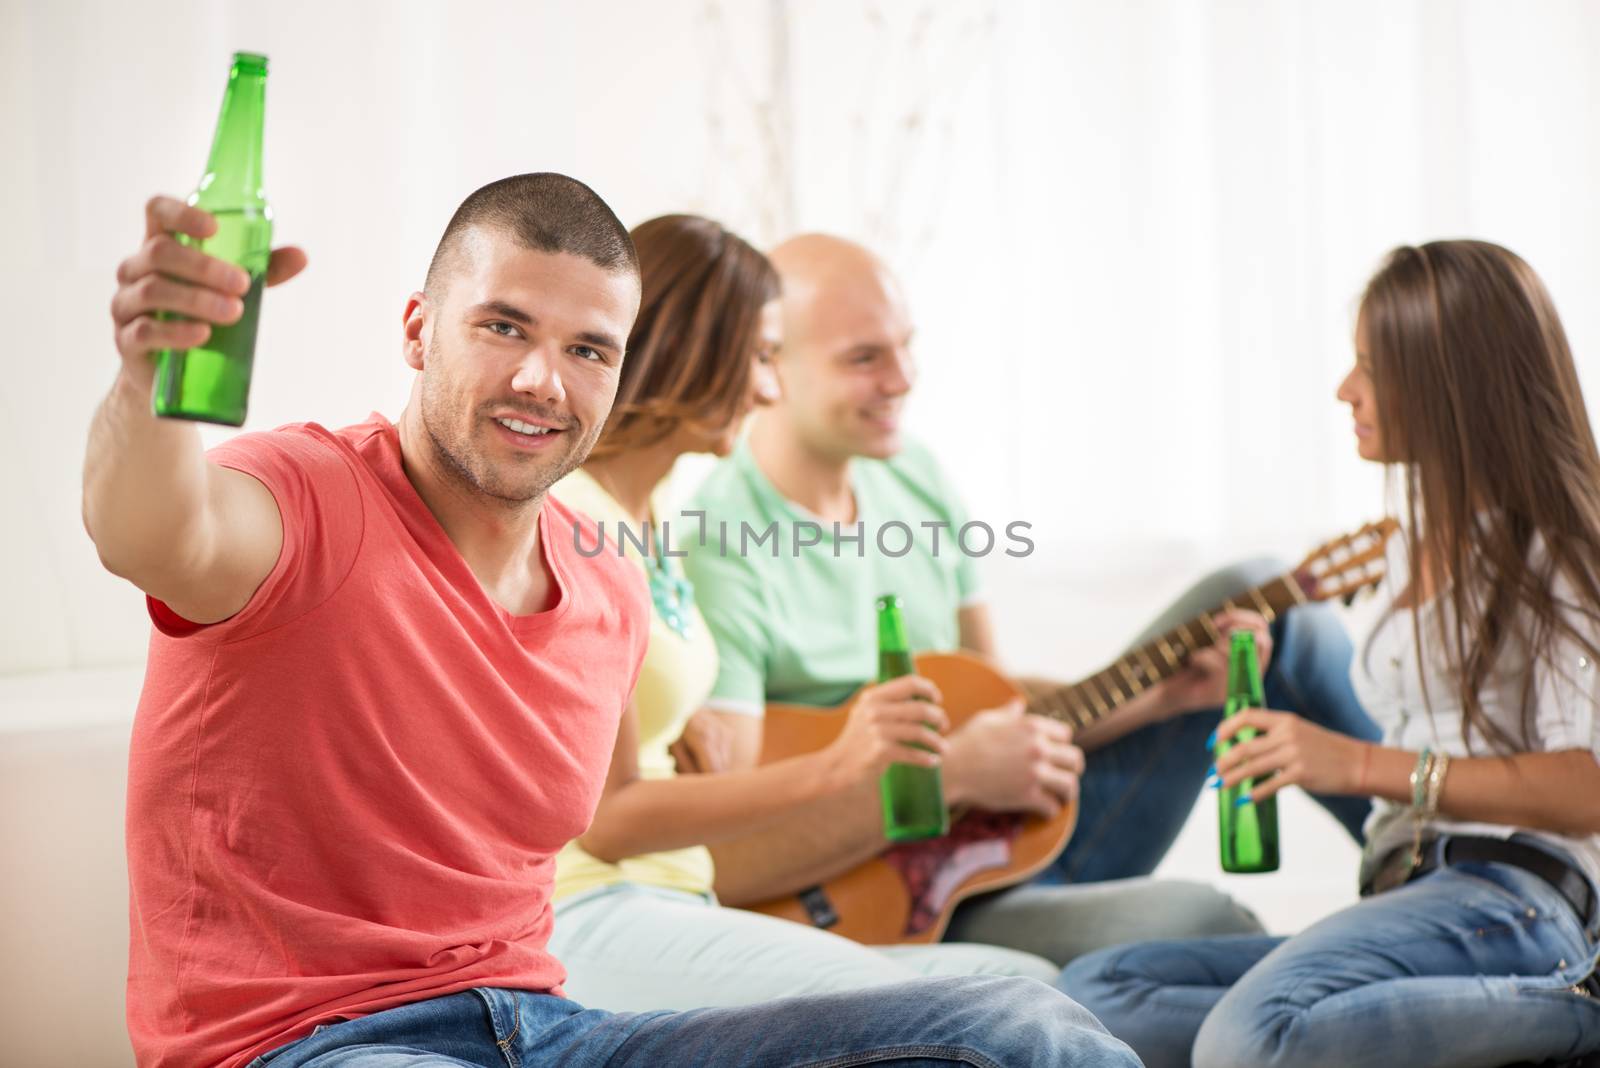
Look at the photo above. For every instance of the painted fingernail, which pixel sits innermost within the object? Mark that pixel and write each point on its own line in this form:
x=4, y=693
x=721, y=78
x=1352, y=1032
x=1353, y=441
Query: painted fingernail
x=1243, y=801
x=1211, y=772
x=1214, y=782
x=1211, y=742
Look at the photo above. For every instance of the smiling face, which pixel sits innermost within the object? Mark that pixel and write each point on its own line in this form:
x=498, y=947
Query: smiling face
x=1357, y=391
x=519, y=359
x=846, y=367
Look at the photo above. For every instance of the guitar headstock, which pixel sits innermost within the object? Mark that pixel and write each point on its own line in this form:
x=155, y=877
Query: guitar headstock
x=1345, y=566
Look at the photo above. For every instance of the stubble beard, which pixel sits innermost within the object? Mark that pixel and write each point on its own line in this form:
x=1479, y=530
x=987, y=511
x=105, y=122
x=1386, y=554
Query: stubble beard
x=470, y=466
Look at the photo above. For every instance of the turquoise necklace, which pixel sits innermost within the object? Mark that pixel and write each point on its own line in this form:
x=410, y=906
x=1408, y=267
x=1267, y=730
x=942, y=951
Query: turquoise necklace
x=670, y=590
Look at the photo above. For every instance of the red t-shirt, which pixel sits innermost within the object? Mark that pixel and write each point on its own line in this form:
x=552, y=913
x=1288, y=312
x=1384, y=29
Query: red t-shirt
x=349, y=795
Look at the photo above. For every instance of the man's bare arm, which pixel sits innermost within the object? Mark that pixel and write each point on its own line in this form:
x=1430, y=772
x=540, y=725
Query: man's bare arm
x=196, y=536
x=976, y=630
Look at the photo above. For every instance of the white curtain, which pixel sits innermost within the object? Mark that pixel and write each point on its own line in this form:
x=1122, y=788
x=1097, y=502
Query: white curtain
x=1132, y=233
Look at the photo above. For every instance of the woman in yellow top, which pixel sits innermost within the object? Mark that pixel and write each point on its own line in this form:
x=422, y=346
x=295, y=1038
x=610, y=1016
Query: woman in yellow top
x=636, y=923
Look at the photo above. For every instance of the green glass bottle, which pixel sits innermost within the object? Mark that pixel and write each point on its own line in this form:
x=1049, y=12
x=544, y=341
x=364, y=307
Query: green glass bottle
x=913, y=797
x=212, y=383
x=1248, y=831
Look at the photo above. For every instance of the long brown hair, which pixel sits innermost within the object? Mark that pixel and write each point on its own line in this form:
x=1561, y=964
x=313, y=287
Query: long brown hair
x=1478, y=401
x=689, y=353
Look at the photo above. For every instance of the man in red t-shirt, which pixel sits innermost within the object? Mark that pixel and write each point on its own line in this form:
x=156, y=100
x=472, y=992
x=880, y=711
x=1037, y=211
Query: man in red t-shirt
x=383, y=689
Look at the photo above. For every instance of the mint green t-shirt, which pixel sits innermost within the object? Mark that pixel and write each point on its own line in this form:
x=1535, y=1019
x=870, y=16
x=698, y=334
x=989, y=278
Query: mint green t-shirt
x=800, y=626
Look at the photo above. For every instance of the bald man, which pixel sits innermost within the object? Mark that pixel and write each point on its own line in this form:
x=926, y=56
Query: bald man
x=794, y=623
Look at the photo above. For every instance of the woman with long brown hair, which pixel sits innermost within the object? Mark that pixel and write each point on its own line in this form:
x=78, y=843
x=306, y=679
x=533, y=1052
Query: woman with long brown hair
x=637, y=924
x=1475, y=939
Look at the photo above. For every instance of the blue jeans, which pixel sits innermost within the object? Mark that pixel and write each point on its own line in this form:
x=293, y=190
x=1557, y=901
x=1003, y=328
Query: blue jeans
x=1466, y=966
x=1137, y=792
x=987, y=1021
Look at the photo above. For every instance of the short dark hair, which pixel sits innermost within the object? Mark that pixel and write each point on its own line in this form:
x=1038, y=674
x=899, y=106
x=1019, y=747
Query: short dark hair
x=544, y=211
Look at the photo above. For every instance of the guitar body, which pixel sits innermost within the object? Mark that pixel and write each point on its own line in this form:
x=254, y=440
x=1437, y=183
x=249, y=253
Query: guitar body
x=906, y=893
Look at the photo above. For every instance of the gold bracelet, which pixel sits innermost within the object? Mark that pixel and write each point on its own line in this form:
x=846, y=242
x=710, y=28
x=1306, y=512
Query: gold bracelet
x=1419, y=778
x=1427, y=761
x=1436, y=775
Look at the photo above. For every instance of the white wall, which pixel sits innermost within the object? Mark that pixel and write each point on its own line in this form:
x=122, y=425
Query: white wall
x=1132, y=232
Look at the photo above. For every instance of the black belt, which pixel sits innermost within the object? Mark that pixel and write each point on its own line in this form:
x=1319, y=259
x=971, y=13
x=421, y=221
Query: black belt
x=1567, y=881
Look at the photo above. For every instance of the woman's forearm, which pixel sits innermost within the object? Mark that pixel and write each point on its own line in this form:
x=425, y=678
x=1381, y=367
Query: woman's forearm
x=1542, y=791
x=653, y=815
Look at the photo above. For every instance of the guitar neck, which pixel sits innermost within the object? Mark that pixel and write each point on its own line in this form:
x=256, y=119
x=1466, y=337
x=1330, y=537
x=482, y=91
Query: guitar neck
x=1096, y=697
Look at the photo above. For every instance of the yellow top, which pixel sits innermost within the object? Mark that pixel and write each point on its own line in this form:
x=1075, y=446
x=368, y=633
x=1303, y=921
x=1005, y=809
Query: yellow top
x=673, y=683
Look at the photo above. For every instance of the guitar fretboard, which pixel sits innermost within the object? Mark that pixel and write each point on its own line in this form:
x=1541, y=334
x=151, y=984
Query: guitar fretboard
x=1092, y=699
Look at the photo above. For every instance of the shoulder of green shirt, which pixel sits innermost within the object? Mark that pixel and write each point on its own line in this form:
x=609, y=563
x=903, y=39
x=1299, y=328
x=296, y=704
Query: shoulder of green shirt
x=729, y=496
x=737, y=489
x=919, y=471
x=734, y=489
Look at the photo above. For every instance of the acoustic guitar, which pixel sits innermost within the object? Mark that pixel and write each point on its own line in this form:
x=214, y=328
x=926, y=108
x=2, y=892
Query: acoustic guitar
x=907, y=893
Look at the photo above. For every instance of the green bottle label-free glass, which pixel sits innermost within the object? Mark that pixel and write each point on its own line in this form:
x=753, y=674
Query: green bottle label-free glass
x=913, y=796
x=1248, y=832
x=211, y=383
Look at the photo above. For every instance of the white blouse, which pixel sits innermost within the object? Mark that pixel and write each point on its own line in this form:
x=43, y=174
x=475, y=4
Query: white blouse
x=1388, y=676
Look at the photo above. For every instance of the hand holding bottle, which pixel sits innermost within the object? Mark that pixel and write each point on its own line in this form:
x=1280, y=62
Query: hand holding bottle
x=164, y=277
x=911, y=789
x=1247, y=826
x=899, y=721
x=1288, y=751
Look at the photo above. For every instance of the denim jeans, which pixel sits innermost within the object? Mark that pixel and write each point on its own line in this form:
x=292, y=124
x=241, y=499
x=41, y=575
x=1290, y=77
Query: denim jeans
x=1138, y=791
x=987, y=1021
x=1472, y=965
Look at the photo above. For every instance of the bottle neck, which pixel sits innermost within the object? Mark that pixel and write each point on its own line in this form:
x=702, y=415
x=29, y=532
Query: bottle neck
x=233, y=171
x=1244, y=678
x=892, y=633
